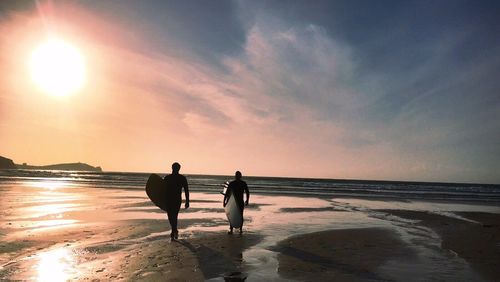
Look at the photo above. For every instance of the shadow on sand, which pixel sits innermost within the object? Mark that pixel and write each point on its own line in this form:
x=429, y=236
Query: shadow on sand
x=221, y=255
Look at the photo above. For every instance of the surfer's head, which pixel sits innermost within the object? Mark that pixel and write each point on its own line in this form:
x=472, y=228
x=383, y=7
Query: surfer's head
x=176, y=167
x=237, y=175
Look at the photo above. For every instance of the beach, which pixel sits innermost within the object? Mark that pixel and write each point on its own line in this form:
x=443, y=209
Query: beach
x=63, y=231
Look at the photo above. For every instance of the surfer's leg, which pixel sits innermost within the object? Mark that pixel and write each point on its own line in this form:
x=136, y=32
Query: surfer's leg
x=174, y=223
x=242, y=218
x=171, y=221
x=175, y=231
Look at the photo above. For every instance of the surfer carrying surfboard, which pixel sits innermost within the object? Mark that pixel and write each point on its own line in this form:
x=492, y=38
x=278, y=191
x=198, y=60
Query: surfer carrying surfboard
x=175, y=182
x=235, y=189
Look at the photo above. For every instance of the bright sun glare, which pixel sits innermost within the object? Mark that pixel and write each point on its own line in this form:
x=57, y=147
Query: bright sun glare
x=57, y=67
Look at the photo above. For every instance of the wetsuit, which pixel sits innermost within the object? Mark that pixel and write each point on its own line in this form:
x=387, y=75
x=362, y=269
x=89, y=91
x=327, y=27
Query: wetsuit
x=237, y=187
x=175, y=182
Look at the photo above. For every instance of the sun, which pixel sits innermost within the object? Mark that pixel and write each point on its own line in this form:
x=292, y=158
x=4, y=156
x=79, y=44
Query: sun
x=57, y=67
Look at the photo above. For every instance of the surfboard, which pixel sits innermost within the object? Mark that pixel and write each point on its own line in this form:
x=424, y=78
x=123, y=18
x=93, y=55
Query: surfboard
x=232, y=210
x=157, y=191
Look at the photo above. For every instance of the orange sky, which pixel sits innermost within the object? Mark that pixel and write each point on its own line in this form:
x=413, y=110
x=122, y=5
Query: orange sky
x=142, y=109
x=137, y=111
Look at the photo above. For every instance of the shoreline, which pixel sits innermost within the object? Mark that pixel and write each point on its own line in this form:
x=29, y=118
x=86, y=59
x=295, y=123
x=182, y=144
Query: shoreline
x=476, y=241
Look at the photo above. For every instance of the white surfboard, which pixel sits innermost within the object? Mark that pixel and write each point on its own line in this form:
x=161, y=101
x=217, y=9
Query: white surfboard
x=232, y=210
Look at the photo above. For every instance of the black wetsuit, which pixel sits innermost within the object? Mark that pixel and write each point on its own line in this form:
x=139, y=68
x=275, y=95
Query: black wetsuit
x=175, y=182
x=237, y=187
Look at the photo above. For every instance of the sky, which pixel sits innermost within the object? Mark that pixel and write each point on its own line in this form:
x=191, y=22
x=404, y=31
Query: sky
x=388, y=90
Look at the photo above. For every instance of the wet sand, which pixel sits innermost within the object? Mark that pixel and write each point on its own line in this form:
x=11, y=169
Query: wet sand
x=64, y=233
x=341, y=255
x=473, y=236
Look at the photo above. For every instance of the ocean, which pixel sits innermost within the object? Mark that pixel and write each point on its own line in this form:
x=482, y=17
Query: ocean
x=323, y=188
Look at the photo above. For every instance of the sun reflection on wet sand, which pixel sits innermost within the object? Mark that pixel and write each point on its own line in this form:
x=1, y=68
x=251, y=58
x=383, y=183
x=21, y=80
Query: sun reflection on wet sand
x=55, y=210
x=56, y=265
x=50, y=184
x=54, y=223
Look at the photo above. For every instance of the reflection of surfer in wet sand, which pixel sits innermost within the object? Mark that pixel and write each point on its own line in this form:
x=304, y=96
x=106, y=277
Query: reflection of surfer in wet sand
x=236, y=189
x=175, y=182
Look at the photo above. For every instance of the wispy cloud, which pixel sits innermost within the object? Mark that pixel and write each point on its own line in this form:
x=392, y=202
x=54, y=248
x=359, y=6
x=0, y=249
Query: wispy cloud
x=293, y=100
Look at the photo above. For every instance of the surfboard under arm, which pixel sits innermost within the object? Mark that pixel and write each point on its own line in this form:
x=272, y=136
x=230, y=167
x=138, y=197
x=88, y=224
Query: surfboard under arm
x=233, y=212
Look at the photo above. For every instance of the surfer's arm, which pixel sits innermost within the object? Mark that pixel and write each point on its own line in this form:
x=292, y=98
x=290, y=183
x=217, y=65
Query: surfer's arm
x=248, y=194
x=186, y=193
x=226, y=197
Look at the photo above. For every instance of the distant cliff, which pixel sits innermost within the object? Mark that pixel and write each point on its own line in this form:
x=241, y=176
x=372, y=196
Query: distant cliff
x=6, y=163
x=67, y=166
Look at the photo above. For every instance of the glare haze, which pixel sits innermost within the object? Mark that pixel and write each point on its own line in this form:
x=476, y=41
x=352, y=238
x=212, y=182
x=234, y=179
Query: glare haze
x=393, y=90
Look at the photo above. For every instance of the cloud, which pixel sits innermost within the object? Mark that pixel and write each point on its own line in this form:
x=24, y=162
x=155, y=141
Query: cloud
x=295, y=100
x=430, y=122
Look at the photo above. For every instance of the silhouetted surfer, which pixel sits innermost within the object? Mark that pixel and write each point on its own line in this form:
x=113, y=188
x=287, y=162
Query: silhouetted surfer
x=237, y=187
x=175, y=183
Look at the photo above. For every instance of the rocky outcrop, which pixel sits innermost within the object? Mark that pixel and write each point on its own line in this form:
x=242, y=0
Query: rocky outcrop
x=6, y=163
x=66, y=166
x=71, y=166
